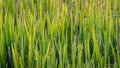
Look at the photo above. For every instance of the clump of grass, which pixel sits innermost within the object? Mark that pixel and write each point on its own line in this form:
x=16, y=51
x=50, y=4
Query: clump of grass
x=59, y=33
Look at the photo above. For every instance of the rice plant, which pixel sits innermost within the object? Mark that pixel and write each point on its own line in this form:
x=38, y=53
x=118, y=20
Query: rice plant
x=59, y=34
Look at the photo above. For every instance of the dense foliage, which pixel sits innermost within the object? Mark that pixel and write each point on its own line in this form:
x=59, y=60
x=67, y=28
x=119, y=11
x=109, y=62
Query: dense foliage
x=59, y=33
